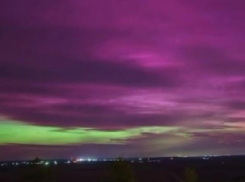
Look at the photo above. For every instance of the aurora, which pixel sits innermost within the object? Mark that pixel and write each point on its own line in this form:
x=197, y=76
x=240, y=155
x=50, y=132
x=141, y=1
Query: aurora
x=13, y=132
x=131, y=77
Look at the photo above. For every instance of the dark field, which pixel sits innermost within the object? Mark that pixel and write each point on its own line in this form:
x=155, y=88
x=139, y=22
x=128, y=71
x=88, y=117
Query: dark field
x=217, y=169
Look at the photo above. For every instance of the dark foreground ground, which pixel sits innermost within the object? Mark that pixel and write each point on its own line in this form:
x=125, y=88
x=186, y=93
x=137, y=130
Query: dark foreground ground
x=222, y=169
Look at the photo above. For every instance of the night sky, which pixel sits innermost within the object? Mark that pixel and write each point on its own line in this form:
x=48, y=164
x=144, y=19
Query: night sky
x=108, y=78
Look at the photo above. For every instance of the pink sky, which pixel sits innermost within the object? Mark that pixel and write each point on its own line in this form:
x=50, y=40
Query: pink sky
x=112, y=65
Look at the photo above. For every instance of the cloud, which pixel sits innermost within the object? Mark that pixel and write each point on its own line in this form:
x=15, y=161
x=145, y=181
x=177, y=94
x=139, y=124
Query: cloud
x=237, y=105
x=212, y=60
x=90, y=72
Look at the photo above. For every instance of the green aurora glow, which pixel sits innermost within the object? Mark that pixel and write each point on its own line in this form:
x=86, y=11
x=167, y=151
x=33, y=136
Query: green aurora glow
x=15, y=132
